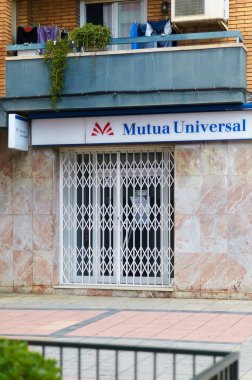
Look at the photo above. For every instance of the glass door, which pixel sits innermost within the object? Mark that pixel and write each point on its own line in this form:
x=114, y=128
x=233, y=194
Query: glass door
x=145, y=251
x=96, y=186
x=119, y=16
x=118, y=218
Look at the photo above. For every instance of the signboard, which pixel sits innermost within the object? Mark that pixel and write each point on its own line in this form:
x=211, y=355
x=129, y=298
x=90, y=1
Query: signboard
x=67, y=131
x=141, y=206
x=201, y=126
x=18, y=134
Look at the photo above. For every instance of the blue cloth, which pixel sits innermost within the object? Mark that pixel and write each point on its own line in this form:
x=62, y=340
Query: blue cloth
x=139, y=30
x=158, y=26
x=133, y=33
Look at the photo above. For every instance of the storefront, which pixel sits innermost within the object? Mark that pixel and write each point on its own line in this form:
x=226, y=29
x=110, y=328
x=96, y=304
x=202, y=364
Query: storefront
x=121, y=189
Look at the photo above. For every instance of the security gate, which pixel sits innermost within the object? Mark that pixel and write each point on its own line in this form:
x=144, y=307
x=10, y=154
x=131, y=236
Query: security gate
x=118, y=217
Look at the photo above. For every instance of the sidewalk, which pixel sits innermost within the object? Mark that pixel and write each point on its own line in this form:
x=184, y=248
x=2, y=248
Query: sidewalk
x=182, y=323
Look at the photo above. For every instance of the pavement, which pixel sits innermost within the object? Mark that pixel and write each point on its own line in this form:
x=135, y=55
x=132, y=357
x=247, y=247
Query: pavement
x=178, y=323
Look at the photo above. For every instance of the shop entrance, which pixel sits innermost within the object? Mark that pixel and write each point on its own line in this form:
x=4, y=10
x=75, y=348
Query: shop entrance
x=118, y=217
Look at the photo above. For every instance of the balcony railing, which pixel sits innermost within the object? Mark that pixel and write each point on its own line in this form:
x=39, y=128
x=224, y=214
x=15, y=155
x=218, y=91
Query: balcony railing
x=235, y=34
x=95, y=361
x=204, y=68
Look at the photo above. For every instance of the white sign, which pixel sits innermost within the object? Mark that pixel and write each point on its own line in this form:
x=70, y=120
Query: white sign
x=69, y=131
x=18, y=134
x=141, y=206
x=201, y=126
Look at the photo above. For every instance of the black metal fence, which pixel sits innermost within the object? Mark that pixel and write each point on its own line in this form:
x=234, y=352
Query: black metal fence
x=88, y=361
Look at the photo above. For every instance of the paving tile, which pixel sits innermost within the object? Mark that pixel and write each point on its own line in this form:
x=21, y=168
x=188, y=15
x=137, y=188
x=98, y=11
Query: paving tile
x=213, y=324
x=43, y=322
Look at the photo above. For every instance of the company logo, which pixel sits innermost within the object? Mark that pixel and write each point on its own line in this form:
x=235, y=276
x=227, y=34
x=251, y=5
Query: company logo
x=98, y=130
x=180, y=126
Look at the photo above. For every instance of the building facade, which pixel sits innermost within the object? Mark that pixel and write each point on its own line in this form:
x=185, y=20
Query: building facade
x=140, y=182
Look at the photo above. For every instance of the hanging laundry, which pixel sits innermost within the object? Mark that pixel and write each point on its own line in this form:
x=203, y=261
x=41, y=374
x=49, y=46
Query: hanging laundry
x=133, y=33
x=27, y=35
x=151, y=28
x=146, y=29
x=63, y=34
x=46, y=33
x=167, y=30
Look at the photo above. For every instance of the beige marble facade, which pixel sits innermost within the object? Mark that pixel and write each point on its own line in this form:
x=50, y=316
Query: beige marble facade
x=213, y=219
x=29, y=209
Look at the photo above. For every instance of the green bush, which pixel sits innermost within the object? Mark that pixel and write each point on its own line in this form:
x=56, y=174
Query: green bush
x=90, y=36
x=56, y=58
x=18, y=363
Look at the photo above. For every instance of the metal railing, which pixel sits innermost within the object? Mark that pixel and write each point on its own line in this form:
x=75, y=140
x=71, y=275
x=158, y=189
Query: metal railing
x=234, y=34
x=92, y=361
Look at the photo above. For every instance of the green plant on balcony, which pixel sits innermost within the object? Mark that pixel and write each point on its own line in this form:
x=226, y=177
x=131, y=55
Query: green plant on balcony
x=18, y=363
x=86, y=37
x=90, y=36
x=56, y=58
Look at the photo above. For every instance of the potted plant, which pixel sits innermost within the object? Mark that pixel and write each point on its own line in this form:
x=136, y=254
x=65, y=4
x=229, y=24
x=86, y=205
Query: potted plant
x=90, y=37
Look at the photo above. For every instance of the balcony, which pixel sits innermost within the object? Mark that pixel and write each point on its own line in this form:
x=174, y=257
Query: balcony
x=193, y=74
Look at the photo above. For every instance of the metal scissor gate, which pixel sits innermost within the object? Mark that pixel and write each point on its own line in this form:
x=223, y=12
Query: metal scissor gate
x=118, y=217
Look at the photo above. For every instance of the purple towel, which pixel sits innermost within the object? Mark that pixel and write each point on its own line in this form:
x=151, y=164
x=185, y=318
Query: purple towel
x=46, y=33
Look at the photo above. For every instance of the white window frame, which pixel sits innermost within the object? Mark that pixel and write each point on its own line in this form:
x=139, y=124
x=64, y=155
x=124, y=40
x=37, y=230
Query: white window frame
x=114, y=14
x=14, y=20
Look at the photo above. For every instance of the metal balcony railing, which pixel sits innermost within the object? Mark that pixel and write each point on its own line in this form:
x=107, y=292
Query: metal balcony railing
x=204, y=68
x=234, y=34
x=94, y=361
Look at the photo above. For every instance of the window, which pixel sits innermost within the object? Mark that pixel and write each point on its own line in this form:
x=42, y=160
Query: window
x=119, y=16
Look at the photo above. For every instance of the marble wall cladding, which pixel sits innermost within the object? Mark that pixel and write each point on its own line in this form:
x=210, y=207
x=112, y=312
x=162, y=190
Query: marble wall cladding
x=187, y=271
x=22, y=269
x=239, y=195
x=240, y=274
x=22, y=165
x=214, y=158
x=188, y=160
x=187, y=233
x=6, y=232
x=213, y=217
x=240, y=234
x=188, y=185
x=6, y=267
x=43, y=268
x=43, y=232
x=214, y=272
x=6, y=166
x=22, y=196
x=213, y=234
x=6, y=196
x=29, y=209
x=213, y=194
x=42, y=163
x=6, y=156
x=22, y=232
x=43, y=196
x=240, y=156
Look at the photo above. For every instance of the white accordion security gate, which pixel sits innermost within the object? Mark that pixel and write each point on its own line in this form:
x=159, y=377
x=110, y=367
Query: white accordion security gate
x=117, y=217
